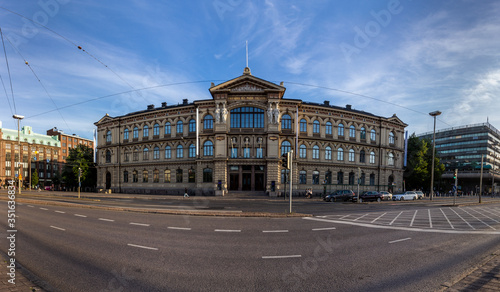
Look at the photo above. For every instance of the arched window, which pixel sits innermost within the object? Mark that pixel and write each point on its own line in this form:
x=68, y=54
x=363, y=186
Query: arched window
x=352, y=132
x=340, y=178
x=328, y=177
x=362, y=133
x=145, y=154
x=351, y=155
x=156, y=130
x=341, y=130
x=362, y=156
x=145, y=176
x=340, y=154
x=208, y=175
x=145, y=131
x=135, y=176
x=178, y=175
x=373, y=135
x=125, y=176
x=372, y=157
x=351, y=178
x=302, y=177
x=192, y=126
x=303, y=126
x=168, y=152
x=208, y=122
x=390, y=159
x=302, y=151
x=180, y=151
x=315, y=177
x=315, y=152
x=167, y=128
x=156, y=176
x=391, y=137
x=372, y=179
x=135, y=133
x=328, y=153
x=125, y=134
x=328, y=128
x=108, y=137
x=156, y=153
x=286, y=122
x=362, y=179
x=166, y=176
x=108, y=156
x=192, y=151
x=316, y=127
x=208, y=148
x=180, y=127
x=191, y=175
x=135, y=156
x=285, y=147
x=247, y=117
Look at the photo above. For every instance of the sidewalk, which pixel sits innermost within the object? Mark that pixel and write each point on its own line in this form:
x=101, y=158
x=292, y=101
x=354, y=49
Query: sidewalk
x=486, y=277
x=21, y=282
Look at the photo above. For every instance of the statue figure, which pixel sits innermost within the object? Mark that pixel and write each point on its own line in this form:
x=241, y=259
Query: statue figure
x=270, y=114
x=217, y=114
x=223, y=114
x=276, y=114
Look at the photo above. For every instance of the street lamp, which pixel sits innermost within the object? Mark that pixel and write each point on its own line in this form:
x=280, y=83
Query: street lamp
x=495, y=144
x=19, y=174
x=433, y=114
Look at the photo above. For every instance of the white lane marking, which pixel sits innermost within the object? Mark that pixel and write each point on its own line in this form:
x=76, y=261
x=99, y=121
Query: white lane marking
x=60, y=212
x=404, y=228
x=274, y=231
x=373, y=221
x=484, y=215
x=361, y=217
x=463, y=219
x=321, y=229
x=104, y=219
x=142, y=246
x=139, y=224
x=430, y=219
x=413, y=219
x=58, y=228
x=79, y=215
x=31, y=206
x=451, y=225
x=179, y=228
x=321, y=216
x=490, y=213
x=399, y=240
x=282, y=257
x=396, y=218
x=227, y=230
x=479, y=219
x=44, y=209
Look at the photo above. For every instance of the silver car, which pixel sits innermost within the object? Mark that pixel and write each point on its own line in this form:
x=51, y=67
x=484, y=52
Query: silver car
x=386, y=196
x=410, y=195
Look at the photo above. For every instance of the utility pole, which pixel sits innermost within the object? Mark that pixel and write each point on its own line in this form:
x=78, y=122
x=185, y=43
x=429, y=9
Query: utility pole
x=79, y=183
x=290, y=166
x=455, y=186
x=19, y=174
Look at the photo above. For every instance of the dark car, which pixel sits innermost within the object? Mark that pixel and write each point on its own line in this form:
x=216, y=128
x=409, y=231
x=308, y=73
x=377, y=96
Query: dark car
x=341, y=195
x=371, y=196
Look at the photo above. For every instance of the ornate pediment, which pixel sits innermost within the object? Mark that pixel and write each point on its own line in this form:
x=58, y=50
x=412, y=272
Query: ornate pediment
x=247, y=87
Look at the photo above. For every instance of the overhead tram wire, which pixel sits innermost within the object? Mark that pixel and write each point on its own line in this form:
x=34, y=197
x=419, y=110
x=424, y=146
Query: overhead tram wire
x=361, y=95
x=123, y=92
x=74, y=44
x=10, y=78
x=43, y=86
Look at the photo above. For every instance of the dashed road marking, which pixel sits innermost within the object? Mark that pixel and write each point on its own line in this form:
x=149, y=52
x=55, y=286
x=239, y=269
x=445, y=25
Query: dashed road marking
x=227, y=230
x=108, y=220
x=45, y=209
x=399, y=240
x=321, y=229
x=179, y=228
x=142, y=246
x=31, y=206
x=79, y=215
x=274, y=231
x=60, y=212
x=58, y=228
x=282, y=257
x=139, y=224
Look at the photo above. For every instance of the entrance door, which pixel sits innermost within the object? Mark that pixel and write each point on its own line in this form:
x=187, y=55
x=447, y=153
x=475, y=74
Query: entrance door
x=108, y=180
x=234, y=181
x=247, y=181
x=259, y=182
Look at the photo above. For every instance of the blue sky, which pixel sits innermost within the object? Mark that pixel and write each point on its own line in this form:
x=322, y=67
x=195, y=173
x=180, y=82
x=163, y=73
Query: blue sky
x=398, y=57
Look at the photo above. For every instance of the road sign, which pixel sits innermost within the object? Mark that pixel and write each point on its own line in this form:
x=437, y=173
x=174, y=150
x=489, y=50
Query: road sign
x=454, y=188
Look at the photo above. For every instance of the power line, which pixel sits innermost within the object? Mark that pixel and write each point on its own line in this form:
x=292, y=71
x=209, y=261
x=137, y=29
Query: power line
x=10, y=78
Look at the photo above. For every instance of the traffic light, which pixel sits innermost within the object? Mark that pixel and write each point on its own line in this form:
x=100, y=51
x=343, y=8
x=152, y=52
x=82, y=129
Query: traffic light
x=455, y=175
x=284, y=160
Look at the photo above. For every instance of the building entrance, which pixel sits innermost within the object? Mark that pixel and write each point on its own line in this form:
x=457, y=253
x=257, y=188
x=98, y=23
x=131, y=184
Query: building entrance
x=247, y=177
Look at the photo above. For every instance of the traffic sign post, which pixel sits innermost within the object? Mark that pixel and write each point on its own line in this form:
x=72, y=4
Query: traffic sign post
x=455, y=187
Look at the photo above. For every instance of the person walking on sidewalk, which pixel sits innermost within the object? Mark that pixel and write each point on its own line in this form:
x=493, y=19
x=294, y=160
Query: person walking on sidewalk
x=186, y=193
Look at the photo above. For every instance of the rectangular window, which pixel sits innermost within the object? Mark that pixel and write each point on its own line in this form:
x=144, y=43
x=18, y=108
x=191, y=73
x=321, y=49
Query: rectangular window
x=246, y=152
x=302, y=177
x=191, y=175
x=207, y=175
x=234, y=152
x=259, y=153
x=167, y=176
x=178, y=175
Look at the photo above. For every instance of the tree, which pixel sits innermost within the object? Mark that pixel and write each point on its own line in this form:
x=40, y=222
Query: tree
x=419, y=163
x=34, y=178
x=80, y=160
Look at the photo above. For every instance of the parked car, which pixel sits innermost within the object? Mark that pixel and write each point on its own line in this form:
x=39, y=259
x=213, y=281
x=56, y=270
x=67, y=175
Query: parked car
x=420, y=194
x=370, y=196
x=341, y=195
x=386, y=196
x=409, y=195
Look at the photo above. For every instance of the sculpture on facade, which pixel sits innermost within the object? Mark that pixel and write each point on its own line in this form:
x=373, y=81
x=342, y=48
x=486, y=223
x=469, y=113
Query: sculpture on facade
x=276, y=114
x=223, y=114
x=270, y=113
x=217, y=114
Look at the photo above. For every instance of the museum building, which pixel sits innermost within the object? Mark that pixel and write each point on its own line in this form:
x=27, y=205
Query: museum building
x=234, y=141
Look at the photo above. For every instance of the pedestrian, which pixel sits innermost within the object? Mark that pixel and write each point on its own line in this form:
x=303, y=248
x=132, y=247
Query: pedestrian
x=186, y=193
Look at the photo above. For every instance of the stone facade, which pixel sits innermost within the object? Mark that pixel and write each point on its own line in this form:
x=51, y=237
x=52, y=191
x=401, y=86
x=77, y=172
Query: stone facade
x=234, y=142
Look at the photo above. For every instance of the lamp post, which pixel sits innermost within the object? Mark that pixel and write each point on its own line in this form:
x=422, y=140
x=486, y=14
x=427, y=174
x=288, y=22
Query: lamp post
x=495, y=144
x=433, y=114
x=19, y=174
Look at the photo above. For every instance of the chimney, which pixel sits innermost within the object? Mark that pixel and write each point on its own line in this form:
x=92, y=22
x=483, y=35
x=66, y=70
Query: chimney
x=163, y=104
x=327, y=102
x=348, y=106
x=185, y=101
x=151, y=106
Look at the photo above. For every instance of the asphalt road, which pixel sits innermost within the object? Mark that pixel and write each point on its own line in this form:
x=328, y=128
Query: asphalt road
x=341, y=249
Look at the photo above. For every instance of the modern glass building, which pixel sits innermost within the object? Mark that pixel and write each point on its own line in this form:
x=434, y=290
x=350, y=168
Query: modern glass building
x=464, y=148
